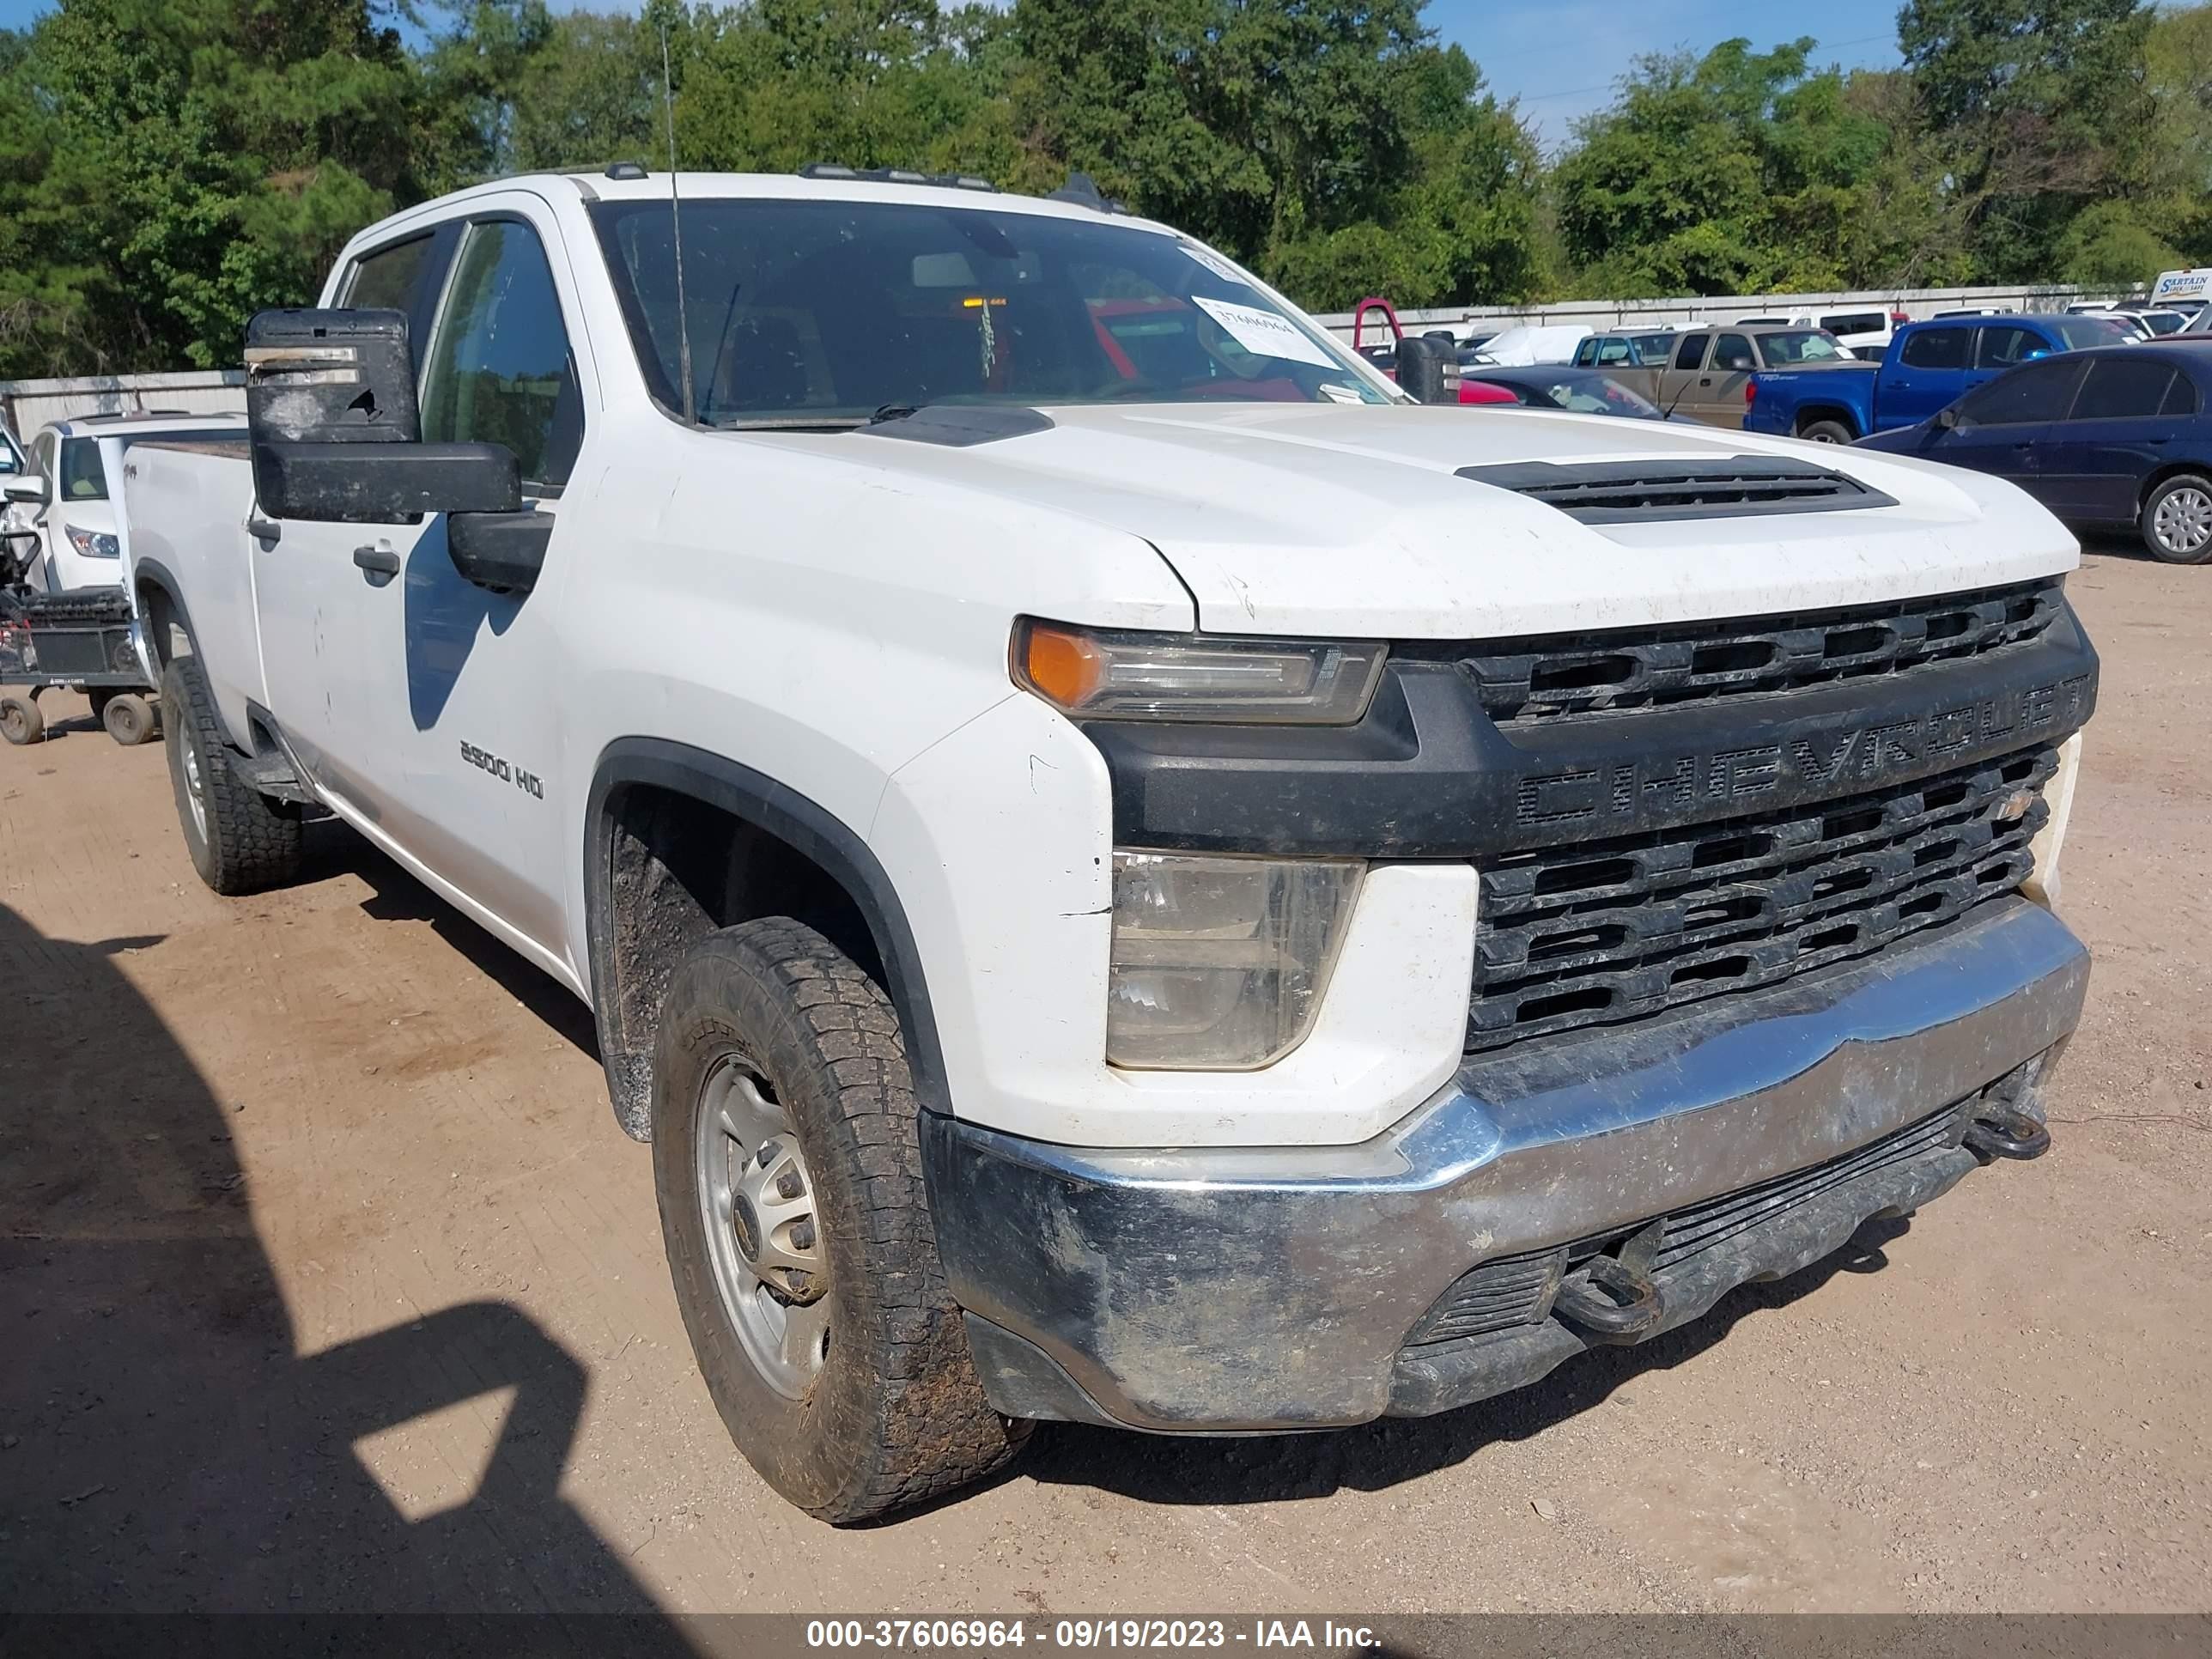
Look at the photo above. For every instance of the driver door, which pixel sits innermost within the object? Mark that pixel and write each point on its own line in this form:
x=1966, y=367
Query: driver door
x=461, y=684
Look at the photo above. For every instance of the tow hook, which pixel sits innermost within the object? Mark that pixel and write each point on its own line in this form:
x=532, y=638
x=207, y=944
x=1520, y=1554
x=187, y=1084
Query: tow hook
x=2001, y=1132
x=1608, y=1301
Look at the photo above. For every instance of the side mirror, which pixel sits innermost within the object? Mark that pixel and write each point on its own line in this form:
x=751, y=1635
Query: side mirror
x=1946, y=418
x=2039, y=351
x=1428, y=371
x=335, y=432
x=30, y=488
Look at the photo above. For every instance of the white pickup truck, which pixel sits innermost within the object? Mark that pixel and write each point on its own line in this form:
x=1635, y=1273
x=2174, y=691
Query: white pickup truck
x=1129, y=872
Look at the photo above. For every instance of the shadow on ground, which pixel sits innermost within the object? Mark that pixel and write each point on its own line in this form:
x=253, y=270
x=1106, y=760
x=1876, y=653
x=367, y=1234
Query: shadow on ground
x=163, y=1444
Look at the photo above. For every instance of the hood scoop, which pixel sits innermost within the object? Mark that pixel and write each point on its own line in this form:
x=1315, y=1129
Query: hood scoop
x=1654, y=491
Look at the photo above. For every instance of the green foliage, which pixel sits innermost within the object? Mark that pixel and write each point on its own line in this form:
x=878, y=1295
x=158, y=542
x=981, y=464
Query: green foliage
x=168, y=166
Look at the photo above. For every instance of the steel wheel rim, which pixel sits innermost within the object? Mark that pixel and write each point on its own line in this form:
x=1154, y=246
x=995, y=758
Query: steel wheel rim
x=2183, y=523
x=195, y=796
x=764, y=1248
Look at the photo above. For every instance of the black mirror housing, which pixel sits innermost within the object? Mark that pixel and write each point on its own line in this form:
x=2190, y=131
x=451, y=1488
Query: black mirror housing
x=1427, y=371
x=337, y=433
x=1946, y=418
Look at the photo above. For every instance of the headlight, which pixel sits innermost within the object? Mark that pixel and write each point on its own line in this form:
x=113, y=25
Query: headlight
x=1097, y=675
x=1219, y=963
x=92, y=544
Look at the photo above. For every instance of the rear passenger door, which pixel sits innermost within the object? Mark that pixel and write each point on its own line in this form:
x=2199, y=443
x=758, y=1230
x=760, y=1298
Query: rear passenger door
x=2129, y=413
x=1922, y=374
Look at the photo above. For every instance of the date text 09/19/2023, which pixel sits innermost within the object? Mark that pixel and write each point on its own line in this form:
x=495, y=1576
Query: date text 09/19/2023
x=991, y=1634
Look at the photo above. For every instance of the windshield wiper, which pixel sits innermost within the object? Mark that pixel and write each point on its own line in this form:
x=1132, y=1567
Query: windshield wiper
x=787, y=423
x=893, y=412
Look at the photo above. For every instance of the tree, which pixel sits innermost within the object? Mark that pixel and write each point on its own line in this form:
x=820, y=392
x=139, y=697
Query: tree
x=2043, y=108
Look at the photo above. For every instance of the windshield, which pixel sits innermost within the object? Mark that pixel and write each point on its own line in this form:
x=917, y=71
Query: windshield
x=1593, y=394
x=2079, y=333
x=1804, y=345
x=830, y=313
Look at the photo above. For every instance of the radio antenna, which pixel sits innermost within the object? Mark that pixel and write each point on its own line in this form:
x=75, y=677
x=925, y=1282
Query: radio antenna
x=675, y=225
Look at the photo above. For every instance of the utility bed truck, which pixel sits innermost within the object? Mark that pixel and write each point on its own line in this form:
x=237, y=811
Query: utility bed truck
x=1128, y=871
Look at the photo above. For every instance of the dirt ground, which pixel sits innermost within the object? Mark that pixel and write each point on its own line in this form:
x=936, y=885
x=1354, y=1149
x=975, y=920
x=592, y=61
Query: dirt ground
x=328, y=1282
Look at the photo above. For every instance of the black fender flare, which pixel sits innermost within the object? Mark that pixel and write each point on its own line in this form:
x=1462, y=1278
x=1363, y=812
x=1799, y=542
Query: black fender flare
x=152, y=573
x=804, y=824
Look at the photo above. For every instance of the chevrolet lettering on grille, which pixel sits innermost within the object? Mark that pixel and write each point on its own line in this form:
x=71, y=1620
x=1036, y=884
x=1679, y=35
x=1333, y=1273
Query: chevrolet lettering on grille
x=1830, y=763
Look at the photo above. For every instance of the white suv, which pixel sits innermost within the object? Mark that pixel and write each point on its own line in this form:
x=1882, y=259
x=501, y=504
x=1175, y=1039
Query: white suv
x=75, y=517
x=1129, y=872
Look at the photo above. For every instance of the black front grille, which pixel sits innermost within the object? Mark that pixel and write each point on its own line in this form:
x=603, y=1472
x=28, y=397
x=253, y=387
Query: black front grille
x=1610, y=930
x=1514, y=1291
x=1637, y=492
x=1692, y=1231
x=1597, y=674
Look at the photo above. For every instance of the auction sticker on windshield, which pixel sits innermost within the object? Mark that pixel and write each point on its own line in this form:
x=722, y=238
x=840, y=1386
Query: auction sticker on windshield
x=1264, y=333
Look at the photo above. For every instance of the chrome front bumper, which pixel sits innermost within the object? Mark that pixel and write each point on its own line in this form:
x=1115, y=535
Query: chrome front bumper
x=1224, y=1291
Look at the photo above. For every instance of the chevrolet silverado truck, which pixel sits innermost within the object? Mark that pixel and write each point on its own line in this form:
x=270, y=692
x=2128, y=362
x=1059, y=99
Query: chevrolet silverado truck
x=1927, y=367
x=1133, y=875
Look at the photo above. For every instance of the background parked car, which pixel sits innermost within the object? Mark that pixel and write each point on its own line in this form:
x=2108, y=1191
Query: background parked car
x=1928, y=364
x=1706, y=375
x=1862, y=333
x=1544, y=343
x=1578, y=390
x=2117, y=435
x=75, y=519
x=1645, y=348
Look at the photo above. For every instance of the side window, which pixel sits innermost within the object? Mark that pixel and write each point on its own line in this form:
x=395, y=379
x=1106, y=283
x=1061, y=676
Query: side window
x=386, y=279
x=2123, y=388
x=42, y=453
x=2001, y=346
x=1937, y=347
x=1613, y=351
x=1691, y=352
x=2180, y=398
x=1586, y=354
x=2038, y=392
x=1734, y=352
x=82, y=477
x=498, y=368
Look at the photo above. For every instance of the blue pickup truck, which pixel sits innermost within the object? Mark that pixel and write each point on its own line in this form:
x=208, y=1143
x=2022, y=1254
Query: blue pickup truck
x=1929, y=365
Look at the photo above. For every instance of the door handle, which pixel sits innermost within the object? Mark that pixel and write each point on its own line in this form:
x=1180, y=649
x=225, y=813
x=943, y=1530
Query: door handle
x=377, y=561
x=263, y=529
x=1705, y=379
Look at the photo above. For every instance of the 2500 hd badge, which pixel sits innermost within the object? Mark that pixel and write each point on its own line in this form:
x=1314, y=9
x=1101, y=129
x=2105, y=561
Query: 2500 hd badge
x=484, y=760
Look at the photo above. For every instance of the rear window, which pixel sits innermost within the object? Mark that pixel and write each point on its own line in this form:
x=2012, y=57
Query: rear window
x=1692, y=351
x=1857, y=322
x=1805, y=345
x=1937, y=347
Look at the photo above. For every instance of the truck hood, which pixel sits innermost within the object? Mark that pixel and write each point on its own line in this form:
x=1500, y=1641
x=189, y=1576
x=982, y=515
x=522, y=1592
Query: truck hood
x=1337, y=520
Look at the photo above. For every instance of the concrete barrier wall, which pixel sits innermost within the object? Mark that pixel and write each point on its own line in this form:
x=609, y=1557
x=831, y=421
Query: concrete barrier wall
x=26, y=405
x=1694, y=311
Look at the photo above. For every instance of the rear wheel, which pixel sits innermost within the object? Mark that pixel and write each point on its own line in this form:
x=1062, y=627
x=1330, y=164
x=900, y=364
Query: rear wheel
x=789, y=1175
x=1825, y=432
x=240, y=840
x=2177, y=520
x=21, y=722
x=128, y=717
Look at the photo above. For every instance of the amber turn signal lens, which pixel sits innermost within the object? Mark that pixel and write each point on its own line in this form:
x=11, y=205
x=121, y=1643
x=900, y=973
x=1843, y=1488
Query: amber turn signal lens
x=1066, y=667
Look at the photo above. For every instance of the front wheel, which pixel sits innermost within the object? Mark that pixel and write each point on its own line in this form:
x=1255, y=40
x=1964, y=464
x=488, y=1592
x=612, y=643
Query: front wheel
x=2177, y=520
x=789, y=1176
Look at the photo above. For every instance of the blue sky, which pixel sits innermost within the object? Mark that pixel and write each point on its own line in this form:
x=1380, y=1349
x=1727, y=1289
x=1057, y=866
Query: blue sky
x=1561, y=58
